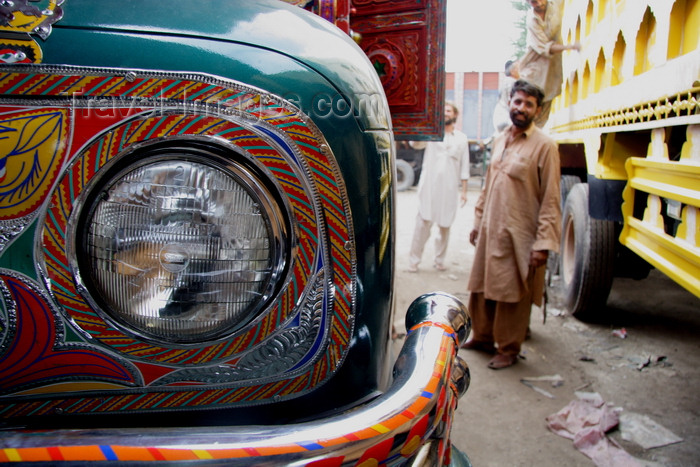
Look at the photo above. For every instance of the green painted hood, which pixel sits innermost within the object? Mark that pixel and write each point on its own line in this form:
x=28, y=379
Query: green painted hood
x=259, y=41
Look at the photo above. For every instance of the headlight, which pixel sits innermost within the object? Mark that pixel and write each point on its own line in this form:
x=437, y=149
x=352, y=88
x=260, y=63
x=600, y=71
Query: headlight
x=199, y=242
x=182, y=246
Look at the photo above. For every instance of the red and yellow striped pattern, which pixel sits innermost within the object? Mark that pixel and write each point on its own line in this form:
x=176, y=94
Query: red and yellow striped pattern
x=307, y=159
x=415, y=424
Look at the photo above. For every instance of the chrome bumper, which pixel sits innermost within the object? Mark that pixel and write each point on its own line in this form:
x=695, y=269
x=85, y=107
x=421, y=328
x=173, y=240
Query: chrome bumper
x=416, y=410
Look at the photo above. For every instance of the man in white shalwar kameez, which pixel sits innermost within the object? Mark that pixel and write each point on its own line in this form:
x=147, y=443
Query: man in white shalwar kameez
x=445, y=171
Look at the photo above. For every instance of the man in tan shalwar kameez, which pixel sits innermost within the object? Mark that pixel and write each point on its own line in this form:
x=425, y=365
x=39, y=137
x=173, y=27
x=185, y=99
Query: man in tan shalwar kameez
x=517, y=221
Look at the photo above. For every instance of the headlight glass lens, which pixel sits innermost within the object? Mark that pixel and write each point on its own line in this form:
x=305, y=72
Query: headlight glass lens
x=181, y=251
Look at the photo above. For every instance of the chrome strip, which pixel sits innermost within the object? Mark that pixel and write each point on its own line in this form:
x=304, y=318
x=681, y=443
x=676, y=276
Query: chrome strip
x=437, y=324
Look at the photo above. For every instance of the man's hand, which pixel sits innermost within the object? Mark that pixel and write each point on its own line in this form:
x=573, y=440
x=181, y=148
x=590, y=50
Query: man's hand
x=472, y=236
x=463, y=199
x=538, y=258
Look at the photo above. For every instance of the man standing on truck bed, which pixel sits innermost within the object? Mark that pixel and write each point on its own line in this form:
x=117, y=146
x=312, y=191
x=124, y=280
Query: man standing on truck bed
x=541, y=65
x=517, y=222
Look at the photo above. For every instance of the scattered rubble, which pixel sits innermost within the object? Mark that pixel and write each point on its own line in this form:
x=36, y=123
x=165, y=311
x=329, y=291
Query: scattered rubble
x=645, y=432
x=554, y=380
x=647, y=361
x=621, y=333
x=587, y=419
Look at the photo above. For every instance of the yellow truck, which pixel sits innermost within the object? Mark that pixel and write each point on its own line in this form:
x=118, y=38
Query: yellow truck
x=628, y=127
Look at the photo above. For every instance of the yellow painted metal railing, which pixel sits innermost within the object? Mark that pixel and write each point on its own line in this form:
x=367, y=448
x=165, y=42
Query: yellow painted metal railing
x=677, y=255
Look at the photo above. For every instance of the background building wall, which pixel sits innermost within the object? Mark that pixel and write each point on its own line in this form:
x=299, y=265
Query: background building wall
x=476, y=95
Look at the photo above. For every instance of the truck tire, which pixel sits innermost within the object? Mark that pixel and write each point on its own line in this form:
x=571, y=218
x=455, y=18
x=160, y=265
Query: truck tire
x=404, y=175
x=566, y=183
x=587, y=256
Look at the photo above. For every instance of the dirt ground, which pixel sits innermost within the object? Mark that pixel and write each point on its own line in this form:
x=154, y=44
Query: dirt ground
x=652, y=372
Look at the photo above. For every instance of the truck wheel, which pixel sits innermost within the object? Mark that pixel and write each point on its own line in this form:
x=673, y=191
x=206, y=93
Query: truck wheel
x=566, y=183
x=586, y=259
x=404, y=175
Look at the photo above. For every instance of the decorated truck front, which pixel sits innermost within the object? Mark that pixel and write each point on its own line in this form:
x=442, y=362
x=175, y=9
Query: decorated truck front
x=196, y=258
x=628, y=127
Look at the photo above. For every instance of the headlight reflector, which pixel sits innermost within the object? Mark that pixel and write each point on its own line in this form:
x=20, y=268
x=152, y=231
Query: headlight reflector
x=181, y=249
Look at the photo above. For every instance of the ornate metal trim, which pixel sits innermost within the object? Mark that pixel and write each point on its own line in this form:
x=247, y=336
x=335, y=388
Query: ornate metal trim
x=682, y=104
x=264, y=126
x=19, y=20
